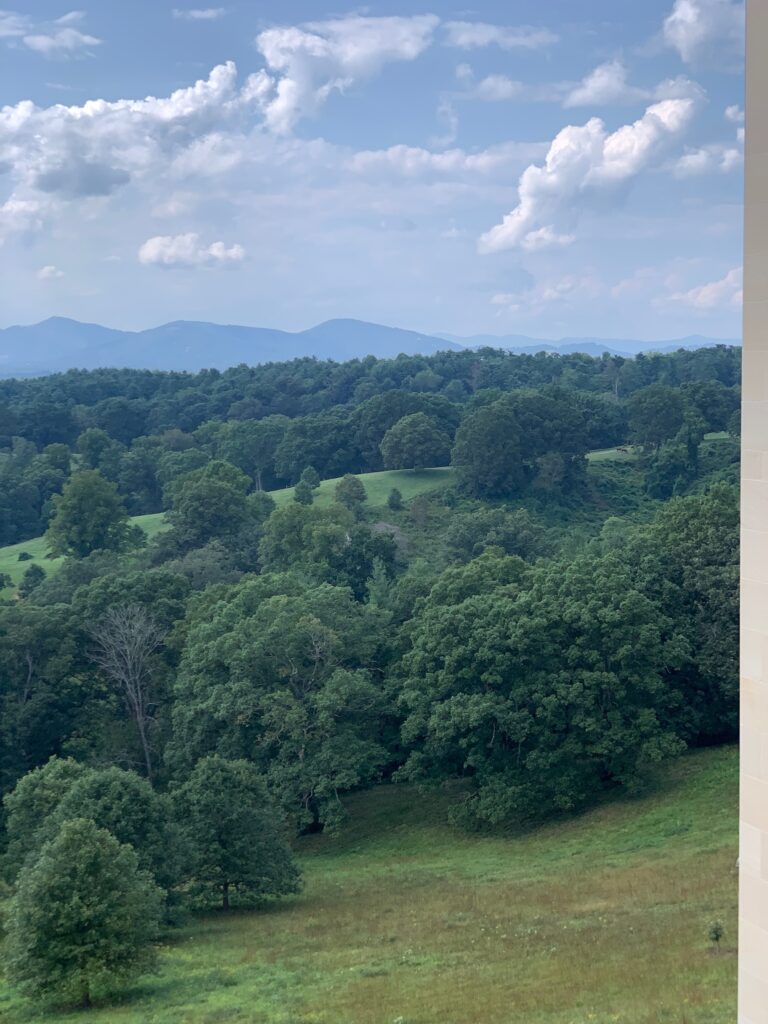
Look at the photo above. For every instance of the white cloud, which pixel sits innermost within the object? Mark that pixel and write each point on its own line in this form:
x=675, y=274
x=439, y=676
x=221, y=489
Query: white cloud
x=415, y=162
x=581, y=158
x=199, y=13
x=723, y=294
x=471, y=35
x=49, y=273
x=311, y=62
x=498, y=87
x=734, y=114
x=712, y=159
x=60, y=41
x=13, y=25
x=707, y=32
x=187, y=251
x=52, y=39
x=94, y=149
x=606, y=85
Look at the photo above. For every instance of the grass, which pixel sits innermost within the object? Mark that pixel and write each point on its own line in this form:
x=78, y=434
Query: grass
x=378, y=486
x=409, y=482
x=9, y=555
x=595, y=920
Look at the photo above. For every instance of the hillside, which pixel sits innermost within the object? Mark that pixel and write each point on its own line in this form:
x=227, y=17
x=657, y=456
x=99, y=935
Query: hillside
x=378, y=485
x=602, y=918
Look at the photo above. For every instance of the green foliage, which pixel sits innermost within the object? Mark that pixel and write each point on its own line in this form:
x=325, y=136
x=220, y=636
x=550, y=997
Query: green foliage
x=82, y=918
x=235, y=832
x=279, y=673
x=29, y=805
x=303, y=493
x=415, y=442
x=311, y=476
x=328, y=545
x=350, y=492
x=536, y=693
x=31, y=580
x=655, y=414
x=126, y=806
x=209, y=503
x=523, y=440
x=395, y=500
x=89, y=516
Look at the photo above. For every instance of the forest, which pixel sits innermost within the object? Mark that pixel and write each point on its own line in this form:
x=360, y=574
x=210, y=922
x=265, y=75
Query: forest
x=541, y=629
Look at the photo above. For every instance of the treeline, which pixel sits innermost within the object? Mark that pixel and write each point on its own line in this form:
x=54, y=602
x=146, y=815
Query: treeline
x=483, y=411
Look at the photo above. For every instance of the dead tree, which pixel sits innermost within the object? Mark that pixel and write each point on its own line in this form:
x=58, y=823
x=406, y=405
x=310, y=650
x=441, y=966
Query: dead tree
x=126, y=638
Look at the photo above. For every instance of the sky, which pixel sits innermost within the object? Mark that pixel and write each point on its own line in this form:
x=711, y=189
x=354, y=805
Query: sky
x=542, y=167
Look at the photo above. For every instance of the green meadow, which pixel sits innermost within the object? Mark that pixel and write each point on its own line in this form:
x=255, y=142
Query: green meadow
x=602, y=918
x=378, y=485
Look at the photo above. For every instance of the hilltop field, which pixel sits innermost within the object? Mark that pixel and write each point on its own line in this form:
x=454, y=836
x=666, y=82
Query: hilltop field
x=601, y=919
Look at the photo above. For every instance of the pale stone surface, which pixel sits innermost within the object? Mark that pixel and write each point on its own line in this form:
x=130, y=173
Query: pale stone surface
x=753, y=861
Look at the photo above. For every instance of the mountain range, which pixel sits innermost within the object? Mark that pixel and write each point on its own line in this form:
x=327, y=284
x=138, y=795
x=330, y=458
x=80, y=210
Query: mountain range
x=59, y=344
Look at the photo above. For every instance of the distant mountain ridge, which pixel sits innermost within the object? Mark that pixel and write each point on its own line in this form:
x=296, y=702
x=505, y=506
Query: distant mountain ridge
x=59, y=344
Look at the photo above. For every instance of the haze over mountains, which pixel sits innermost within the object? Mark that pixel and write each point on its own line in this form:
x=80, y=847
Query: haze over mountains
x=60, y=344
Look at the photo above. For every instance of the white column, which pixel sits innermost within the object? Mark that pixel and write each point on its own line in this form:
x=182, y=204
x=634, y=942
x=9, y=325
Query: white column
x=753, y=863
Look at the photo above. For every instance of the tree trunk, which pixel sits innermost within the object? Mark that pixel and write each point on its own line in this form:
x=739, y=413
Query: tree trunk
x=225, y=896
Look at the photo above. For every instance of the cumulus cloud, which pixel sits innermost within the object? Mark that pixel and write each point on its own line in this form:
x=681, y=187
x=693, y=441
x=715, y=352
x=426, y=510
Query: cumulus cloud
x=707, y=32
x=727, y=293
x=567, y=290
x=582, y=158
x=607, y=84
x=472, y=35
x=199, y=13
x=49, y=273
x=188, y=251
x=712, y=159
x=310, y=62
x=94, y=149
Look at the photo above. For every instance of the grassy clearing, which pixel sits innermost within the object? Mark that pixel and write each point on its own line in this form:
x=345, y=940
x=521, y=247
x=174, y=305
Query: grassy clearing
x=409, y=482
x=9, y=555
x=598, y=919
x=378, y=486
x=630, y=453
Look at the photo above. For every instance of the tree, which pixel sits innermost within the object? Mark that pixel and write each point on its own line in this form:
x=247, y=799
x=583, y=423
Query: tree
x=31, y=579
x=135, y=814
x=83, y=917
x=545, y=694
x=208, y=503
x=350, y=492
x=281, y=673
x=311, y=477
x=415, y=442
x=235, y=831
x=89, y=516
x=395, y=500
x=655, y=414
x=126, y=638
x=27, y=807
x=303, y=493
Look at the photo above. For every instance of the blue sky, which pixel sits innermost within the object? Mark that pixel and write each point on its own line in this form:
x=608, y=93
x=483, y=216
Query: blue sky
x=559, y=167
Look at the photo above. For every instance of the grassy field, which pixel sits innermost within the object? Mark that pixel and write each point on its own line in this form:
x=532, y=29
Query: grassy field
x=597, y=920
x=409, y=482
x=9, y=555
x=378, y=486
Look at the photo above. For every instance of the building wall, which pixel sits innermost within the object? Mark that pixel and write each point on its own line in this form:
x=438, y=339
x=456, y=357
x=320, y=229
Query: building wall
x=753, y=863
